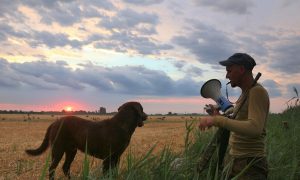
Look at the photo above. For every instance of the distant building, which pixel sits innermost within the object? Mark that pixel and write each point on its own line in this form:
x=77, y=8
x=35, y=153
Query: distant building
x=102, y=110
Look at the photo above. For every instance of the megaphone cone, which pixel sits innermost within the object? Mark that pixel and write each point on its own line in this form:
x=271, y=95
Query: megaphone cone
x=212, y=89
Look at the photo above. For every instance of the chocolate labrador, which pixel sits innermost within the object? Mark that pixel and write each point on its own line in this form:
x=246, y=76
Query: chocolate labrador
x=105, y=139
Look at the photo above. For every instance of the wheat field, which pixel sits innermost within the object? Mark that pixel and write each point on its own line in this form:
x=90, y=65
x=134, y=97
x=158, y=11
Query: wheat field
x=19, y=132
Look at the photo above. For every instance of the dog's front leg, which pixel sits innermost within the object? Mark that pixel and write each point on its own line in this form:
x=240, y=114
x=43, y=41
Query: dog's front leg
x=51, y=173
x=110, y=162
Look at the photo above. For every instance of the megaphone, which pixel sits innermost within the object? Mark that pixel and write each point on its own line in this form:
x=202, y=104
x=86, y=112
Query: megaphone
x=212, y=89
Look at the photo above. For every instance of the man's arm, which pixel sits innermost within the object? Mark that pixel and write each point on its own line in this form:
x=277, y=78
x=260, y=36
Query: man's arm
x=258, y=110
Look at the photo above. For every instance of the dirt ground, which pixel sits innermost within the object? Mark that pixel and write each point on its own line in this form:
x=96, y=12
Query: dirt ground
x=19, y=132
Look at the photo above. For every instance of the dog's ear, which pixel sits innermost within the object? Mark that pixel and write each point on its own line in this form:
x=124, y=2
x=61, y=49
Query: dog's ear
x=123, y=106
x=138, y=110
x=138, y=107
x=120, y=108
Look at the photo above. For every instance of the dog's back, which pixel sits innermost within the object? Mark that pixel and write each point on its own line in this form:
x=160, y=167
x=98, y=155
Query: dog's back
x=101, y=138
x=62, y=132
x=105, y=139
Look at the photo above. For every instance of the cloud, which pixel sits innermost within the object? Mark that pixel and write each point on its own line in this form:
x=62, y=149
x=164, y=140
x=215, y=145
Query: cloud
x=127, y=41
x=254, y=45
x=4, y=32
x=227, y=6
x=128, y=80
x=131, y=31
x=189, y=69
x=286, y=3
x=60, y=15
x=179, y=64
x=286, y=55
x=53, y=40
x=9, y=10
x=65, y=13
x=39, y=38
x=128, y=19
x=69, y=12
x=272, y=88
x=208, y=44
x=194, y=71
x=135, y=80
x=8, y=31
x=8, y=78
x=40, y=74
x=144, y=2
x=124, y=40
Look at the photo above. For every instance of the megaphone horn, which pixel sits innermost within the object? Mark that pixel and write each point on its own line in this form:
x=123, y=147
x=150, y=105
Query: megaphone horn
x=212, y=89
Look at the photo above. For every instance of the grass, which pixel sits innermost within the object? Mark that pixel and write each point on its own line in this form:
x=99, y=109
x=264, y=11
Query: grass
x=45, y=168
x=162, y=160
x=86, y=165
x=166, y=164
x=283, y=149
x=284, y=144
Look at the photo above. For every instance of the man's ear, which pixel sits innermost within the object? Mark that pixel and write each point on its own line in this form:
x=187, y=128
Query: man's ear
x=242, y=69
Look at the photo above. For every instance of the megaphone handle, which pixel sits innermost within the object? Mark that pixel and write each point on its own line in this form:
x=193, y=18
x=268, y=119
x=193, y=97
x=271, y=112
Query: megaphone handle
x=256, y=78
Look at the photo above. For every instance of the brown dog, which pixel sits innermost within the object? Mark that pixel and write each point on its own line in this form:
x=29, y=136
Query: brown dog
x=105, y=139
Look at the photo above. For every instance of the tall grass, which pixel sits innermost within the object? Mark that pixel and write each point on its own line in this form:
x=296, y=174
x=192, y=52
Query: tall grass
x=45, y=168
x=86, y=164
x=283, y=150
x=166, y=165
x=284, y=144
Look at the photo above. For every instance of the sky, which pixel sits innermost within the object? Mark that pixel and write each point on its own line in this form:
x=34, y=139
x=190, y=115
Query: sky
x=89, y=54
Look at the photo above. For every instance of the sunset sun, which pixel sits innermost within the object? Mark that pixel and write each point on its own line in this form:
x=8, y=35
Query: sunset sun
x=68, y=108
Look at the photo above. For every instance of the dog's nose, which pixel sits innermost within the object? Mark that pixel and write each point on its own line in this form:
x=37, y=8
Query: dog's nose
x=145, y=116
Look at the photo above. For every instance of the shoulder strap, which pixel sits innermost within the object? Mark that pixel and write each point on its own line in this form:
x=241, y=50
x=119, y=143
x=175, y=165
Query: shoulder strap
x=243, y=99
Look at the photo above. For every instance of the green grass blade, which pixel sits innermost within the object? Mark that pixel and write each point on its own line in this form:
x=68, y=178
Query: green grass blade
x=46, y=167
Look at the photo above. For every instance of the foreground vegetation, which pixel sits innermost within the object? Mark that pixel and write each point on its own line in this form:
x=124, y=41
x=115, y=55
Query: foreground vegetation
x=283, y=146
x=144, y=159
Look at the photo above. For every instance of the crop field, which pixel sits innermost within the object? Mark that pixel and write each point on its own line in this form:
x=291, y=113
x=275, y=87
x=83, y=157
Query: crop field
x=152, y=150
x=19, y=132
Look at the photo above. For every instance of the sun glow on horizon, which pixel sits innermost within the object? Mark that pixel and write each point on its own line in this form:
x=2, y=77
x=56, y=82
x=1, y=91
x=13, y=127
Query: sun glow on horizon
x=68, y=108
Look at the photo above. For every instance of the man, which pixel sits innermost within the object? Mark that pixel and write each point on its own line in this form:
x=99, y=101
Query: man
x=247, y=151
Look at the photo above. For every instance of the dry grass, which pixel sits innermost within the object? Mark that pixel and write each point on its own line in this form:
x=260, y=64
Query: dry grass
x=18, y=133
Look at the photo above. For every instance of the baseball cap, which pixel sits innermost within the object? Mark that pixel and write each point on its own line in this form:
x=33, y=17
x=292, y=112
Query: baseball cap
x=240, y=59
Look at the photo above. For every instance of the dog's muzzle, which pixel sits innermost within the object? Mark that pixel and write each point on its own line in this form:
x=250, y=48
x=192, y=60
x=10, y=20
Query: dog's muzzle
x=142, y=119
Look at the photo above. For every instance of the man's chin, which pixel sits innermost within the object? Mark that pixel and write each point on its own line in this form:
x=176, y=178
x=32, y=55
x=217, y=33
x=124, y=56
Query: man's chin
x=233, y=85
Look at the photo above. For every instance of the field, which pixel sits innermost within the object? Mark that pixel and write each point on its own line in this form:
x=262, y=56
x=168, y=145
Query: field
x=18, y=133
x=171, y=136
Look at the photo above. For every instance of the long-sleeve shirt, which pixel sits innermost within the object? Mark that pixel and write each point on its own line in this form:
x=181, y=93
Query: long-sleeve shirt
x=248, y=129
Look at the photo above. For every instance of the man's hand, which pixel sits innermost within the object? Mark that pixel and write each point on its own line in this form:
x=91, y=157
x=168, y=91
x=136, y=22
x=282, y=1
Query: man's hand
x=205, y=122
x=212, y=109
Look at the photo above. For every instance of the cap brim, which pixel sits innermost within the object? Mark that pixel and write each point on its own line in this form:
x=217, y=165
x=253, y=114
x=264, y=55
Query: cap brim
x=226, y=63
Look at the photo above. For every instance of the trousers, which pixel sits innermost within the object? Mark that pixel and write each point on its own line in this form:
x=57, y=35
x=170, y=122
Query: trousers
x=249, y=168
